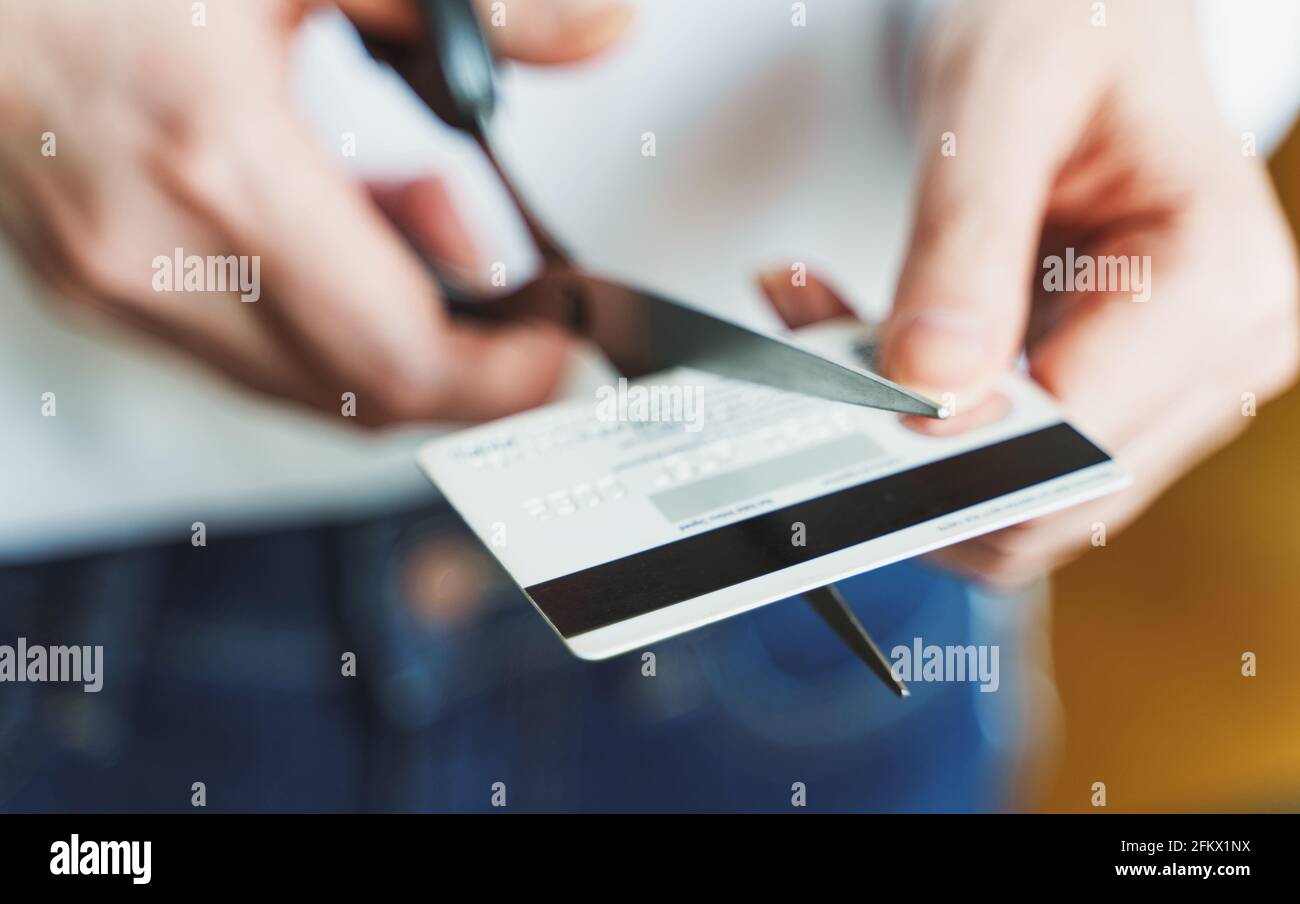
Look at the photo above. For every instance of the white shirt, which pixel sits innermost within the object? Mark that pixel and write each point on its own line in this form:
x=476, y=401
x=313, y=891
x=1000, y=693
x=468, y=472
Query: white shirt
x=772, y=143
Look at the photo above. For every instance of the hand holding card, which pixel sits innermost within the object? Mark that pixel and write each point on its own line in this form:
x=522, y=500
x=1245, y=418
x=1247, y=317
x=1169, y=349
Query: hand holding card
x=624, y=530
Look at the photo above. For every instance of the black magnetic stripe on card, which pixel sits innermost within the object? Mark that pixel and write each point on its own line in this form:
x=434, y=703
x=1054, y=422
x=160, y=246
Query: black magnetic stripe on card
x=693, y=566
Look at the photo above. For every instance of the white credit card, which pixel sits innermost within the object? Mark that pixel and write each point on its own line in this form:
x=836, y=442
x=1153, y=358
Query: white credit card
x=683, y=498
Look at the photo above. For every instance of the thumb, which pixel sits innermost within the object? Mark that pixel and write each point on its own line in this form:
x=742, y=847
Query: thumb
x=801, y=301
x=530, y=31
x=963, y=295
x=554, y=31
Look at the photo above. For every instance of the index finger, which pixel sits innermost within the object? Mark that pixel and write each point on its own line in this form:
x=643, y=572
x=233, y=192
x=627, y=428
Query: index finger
x=343, y=286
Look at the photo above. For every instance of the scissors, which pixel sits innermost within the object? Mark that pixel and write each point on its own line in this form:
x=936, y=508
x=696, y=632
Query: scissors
x=639, y=332
x=452, y=70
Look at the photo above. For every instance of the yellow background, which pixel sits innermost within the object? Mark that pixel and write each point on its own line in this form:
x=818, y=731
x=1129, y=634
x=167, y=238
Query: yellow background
x=1148, y=632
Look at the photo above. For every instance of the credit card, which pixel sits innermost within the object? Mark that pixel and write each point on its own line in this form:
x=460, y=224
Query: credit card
x=663, y=504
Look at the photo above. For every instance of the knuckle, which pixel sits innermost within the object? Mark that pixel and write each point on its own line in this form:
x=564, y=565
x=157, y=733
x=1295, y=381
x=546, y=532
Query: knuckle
x=102, y=268
x=197, y=166
x=402, y=396
x=1015, y=543
x=193, y=152
x=535, y=392
x=1008, y=573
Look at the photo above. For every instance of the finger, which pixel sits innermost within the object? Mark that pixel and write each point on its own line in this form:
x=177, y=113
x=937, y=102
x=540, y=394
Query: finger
x=350, y=292
x=1116, y=363
x=989, y=410
x=384, y=18
x=801, y=298
x=994, y=143
x=1203, y=419
x=554, y=31
x=530, y=31
x=217, y=328
x=985, y=567
x=424, y=211
x=502, y=369
x=227, y=334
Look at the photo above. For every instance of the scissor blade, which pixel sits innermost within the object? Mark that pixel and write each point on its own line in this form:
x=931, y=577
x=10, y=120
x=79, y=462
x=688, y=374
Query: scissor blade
x=745, y=354
x=832, y=608
x=642, y=332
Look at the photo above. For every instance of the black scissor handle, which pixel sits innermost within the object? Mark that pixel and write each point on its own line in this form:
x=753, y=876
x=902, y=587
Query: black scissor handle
x=450, y=67
x=464, y=65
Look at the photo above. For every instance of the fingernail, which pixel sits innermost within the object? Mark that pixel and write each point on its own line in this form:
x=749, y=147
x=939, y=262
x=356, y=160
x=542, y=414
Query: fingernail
x=939, y=350
x=777, y=288
x=775, y=282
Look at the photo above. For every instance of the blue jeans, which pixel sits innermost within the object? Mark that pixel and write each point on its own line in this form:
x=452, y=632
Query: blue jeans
x=222, y=665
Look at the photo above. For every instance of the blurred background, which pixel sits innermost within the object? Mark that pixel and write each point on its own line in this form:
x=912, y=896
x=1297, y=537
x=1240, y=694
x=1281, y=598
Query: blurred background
x=1148, y=632
x=776, y=148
